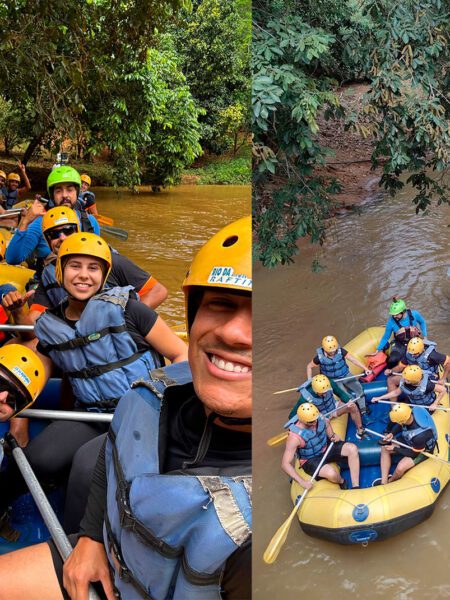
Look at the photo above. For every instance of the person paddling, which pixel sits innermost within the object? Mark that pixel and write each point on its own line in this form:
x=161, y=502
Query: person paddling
x=423, y=354
x=332, y=359
x=308, y=437
x=412, y=426
x=417, y=387
x=321, y=392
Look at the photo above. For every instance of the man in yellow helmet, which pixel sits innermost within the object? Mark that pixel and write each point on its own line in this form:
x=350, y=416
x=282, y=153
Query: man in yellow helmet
x=332, y=359
x=192, y=422
x=321, y=392
x=412, y=426
x=424, y=354
x=416, y=387
x=308, y=437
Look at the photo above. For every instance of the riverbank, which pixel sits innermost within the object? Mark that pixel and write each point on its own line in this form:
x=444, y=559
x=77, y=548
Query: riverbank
x=209, y=170
x=350, y=161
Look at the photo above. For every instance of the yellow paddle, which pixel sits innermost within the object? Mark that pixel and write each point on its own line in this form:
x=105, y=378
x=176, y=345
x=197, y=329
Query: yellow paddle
x=277, y=542
x=424, y=452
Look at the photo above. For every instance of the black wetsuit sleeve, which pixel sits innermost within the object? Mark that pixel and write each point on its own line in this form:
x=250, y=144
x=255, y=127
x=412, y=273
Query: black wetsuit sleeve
x=316, y=360
x=393, y=428
x=344, y=352
x=125, y=272
x=92, y=522
x=237, y=579
x=436, y=358
x=139, y=319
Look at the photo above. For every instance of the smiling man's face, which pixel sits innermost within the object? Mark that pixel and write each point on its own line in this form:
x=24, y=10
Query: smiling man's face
x=220, y=352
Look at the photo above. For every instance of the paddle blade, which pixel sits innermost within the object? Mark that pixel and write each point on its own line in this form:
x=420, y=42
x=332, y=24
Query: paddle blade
x=277, y=542
x=114, y=231
x=277, y=439
x=104, y=220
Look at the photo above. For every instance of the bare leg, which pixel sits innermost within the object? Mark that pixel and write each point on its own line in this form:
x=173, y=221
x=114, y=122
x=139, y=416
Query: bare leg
x=351, y=452
x=355, y=415
x=393, y=381
x=29, y=573
x=386, y=461
x=328, y=472
x=404, y=465
x=19, y=428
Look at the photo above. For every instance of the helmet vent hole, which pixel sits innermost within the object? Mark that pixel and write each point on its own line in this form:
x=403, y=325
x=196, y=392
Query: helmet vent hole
x=36, y=373
x=230, y=241
x=24, y=358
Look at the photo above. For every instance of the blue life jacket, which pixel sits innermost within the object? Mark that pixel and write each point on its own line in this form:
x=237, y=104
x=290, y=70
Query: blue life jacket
x=170, y=533
x=424, y=423
x=53, y=289
x=418, y=395
x=316, y=440
x=83, y=197
x=325, y=403
x=422, y=360
x=11, y=196
x=99, y=356
x=334, y=367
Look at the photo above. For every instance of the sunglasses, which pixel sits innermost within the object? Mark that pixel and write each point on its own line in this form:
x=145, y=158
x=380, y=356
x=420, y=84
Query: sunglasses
x=56, y=233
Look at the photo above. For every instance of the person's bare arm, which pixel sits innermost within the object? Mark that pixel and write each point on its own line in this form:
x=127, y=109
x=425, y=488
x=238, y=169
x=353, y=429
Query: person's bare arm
x=358, y=363
x=14, y=302
x=288, y=459
x=309, y=367
x=164, y=341
x=87, y=563
x=154, y=296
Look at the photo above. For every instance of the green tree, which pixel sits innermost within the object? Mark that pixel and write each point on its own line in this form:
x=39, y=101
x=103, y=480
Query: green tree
x=213, y=42
x=77, y=69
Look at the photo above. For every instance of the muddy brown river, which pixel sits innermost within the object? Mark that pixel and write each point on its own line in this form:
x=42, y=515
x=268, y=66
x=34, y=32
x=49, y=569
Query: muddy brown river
x=166, y=229
x=386, y=250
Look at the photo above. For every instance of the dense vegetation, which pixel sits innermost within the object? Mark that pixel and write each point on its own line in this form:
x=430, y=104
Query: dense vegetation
x=302, y=51
x=116, y=75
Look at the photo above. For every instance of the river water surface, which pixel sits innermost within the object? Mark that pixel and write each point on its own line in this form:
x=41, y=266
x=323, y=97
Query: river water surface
x=386, y=250
x=167, y=228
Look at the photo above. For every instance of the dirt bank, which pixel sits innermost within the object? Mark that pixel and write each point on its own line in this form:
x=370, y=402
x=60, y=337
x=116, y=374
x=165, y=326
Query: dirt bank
x=350, y=164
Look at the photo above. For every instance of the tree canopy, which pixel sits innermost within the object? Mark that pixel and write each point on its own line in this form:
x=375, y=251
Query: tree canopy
x=106, y=73
x=302, y=50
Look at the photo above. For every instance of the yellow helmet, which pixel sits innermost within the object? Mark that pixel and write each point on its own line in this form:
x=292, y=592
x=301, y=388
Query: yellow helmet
x=415, y=346
x=22, y=368
x=85, y=178
x=330, y=343
x=400, y=413
x=3, y=174
x=86, y=244
x=225, y=261
x=14, y=177
x=320, y=384
x=57, y=216
x=2, y=246
x=412, y=374
x=308, y=412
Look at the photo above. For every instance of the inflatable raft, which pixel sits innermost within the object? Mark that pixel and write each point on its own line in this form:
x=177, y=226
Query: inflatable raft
x=374, y=513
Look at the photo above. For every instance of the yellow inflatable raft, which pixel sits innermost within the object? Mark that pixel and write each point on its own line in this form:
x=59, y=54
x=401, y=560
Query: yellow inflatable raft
x=16, y=275
x=374, y=513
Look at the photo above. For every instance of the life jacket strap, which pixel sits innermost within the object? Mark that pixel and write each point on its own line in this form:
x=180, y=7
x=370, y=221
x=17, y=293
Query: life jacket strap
x=97, y=370
x=86, y=339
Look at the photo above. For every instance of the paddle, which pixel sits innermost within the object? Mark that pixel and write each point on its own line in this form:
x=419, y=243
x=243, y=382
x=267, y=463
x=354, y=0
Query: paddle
x=276, y=440
x=393, y=441
x=277, y=542
x=349, y=378
x=114, y=231
x=104, y=220
x=61, y=540
x=427, y=407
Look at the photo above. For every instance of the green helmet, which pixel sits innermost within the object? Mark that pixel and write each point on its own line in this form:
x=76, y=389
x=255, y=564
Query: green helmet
x=397, y=307
x=63, y=174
